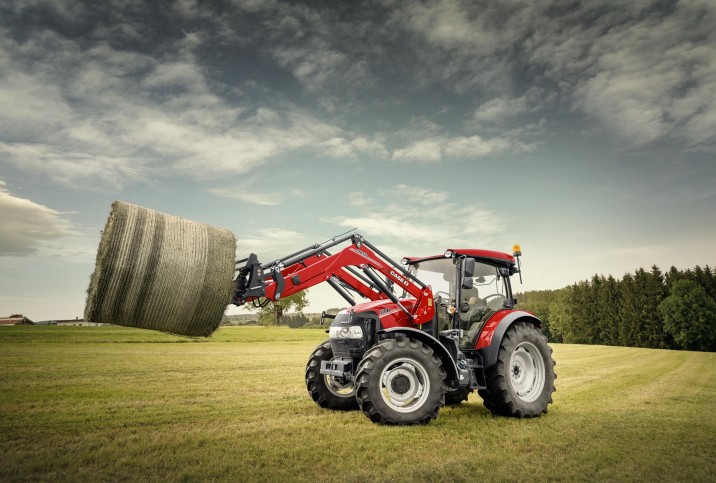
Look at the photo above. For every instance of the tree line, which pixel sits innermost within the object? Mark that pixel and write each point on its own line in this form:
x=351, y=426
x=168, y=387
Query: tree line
x=647, y=308
x=672, y=310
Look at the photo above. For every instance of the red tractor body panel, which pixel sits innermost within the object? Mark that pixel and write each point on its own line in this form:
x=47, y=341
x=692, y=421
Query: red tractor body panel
x=485, y=337
x=504, y=317
x=389, y=313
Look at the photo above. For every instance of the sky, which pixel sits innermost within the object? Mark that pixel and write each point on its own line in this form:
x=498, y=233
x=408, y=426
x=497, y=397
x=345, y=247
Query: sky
x=585, y=131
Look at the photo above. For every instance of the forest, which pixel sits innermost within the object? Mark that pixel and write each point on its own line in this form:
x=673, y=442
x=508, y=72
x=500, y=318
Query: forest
x=647, y=308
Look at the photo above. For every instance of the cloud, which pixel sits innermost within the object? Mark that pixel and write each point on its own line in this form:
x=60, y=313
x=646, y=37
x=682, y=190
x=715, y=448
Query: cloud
x=359, y=199
x=499, y=109
x=646, y=74
x=424, y=141
x=440, y=148
x=419, y=195
x=73, y=167
x=269, y=243
x=267, y=199
x=419, y=218
x=429, y=150
x=339, y=147
x=475, y=146
x=465, y=46
x=317, y=64
x=113, y=116
x=643, y=72
x=27, y=226
x=130, y=100
x=320, y=47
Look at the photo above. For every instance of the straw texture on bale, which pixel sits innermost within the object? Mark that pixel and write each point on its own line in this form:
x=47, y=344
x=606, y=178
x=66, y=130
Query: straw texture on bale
x=158, y=271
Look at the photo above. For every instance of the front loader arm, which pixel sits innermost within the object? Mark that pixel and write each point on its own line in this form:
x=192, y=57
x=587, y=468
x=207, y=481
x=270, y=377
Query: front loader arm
x=315, y=265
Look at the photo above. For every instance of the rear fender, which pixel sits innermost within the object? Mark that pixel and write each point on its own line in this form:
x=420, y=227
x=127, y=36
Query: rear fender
x=490, y=338
x=438, y=348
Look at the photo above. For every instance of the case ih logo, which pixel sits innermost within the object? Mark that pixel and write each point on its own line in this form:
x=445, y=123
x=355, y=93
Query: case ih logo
x=385, y=312
x=399, y=278
x=367, y=257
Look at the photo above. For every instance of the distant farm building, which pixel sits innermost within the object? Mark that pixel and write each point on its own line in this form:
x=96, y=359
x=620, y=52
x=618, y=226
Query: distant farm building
x=17, y=319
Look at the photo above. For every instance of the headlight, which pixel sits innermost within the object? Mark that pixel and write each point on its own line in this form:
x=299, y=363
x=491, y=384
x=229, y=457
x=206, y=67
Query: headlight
x=349, y=332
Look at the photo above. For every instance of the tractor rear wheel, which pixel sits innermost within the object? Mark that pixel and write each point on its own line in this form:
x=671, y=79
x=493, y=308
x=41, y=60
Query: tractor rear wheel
x=328, y=391
x=521, y=383
x=401, y=381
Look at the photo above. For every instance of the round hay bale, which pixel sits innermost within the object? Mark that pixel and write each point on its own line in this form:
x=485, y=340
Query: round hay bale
x=161, y=272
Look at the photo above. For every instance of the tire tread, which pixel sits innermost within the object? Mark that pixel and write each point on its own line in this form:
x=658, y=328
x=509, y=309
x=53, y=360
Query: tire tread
x=497, y=397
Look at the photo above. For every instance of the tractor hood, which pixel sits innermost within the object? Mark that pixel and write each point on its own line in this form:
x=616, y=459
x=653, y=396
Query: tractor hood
x=389, y=313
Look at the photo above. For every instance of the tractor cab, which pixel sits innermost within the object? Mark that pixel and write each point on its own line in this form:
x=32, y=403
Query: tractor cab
x=468, y=287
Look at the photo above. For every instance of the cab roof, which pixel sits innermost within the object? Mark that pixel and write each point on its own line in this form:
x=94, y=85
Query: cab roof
x=490, y=257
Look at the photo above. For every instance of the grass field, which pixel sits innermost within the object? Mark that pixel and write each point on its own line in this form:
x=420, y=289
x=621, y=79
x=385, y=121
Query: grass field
x=110, y=403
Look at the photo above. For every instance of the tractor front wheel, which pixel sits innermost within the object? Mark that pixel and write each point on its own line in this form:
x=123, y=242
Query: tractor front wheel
x=521, y=383
x=328, y=391
x=402, y=382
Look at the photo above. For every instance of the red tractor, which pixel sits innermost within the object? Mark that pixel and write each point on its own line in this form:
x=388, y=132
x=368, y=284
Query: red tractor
x=429, y=335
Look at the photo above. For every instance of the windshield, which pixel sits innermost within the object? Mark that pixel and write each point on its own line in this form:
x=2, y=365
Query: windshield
x=489, y=289
x=439, y=274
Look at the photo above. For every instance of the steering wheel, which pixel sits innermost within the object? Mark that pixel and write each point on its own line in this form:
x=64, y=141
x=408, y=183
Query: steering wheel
x=491, y=296
x=437, y=295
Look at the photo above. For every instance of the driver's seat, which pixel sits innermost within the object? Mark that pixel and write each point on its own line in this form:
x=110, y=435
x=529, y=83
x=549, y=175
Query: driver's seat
x=478, y=308
x=476, y=305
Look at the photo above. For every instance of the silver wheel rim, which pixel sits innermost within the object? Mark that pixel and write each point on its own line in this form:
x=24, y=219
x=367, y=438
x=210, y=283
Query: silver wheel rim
x=404, y=385
x=337, y=388
x=527, y=373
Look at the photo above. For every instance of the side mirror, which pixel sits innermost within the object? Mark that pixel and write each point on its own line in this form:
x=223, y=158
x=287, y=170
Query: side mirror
x=468, y=267
x=325, y=316
x=467, y=283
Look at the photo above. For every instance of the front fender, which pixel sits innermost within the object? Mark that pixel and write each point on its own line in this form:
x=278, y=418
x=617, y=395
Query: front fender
x=490, y=338
x=438, y=348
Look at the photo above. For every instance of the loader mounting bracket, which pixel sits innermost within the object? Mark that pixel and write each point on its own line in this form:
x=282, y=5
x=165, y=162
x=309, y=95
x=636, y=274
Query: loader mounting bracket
x=252, y=286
